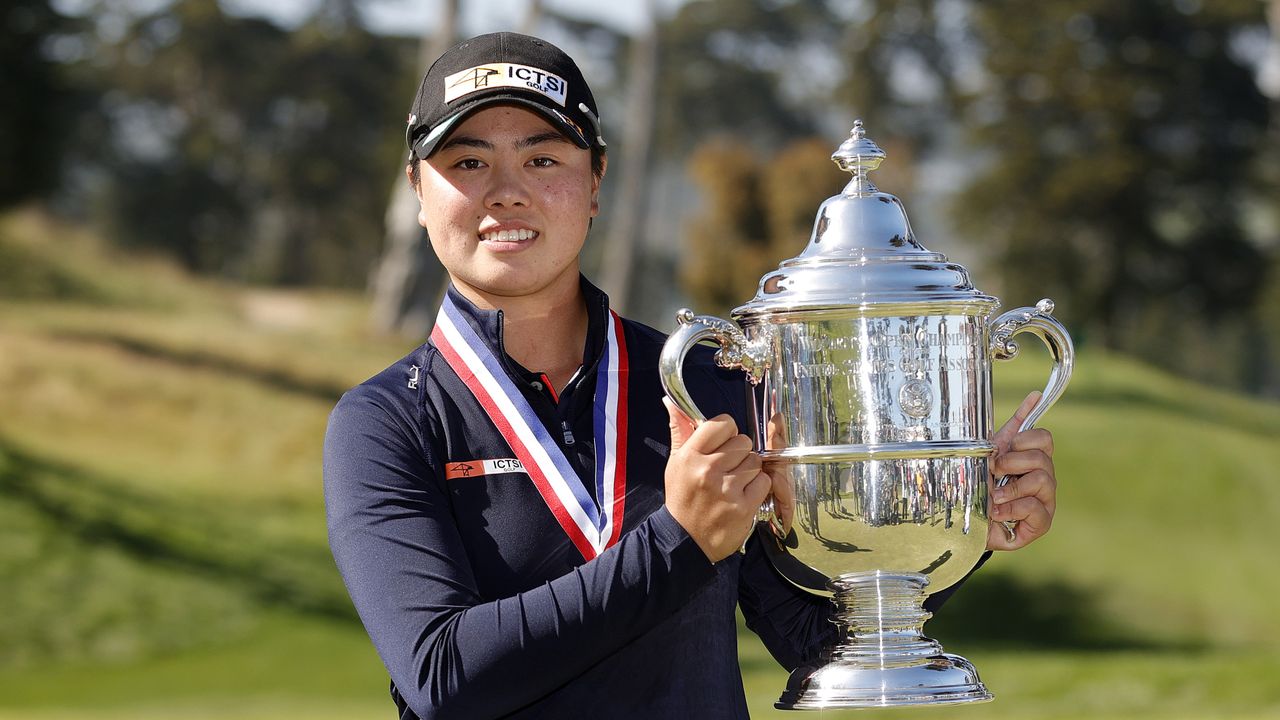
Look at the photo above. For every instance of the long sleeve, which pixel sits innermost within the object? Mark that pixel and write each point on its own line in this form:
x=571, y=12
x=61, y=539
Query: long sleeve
x=793, y=624
x=450, y=652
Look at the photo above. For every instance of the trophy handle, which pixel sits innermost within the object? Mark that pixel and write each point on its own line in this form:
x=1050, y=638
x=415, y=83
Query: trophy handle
x=735, y=352
x=1040, y=322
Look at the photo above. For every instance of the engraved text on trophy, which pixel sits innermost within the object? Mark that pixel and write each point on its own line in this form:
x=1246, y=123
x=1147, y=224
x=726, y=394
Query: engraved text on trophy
x=855, y=381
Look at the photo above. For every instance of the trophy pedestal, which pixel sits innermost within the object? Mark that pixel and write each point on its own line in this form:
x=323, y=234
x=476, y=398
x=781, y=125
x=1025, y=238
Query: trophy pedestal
x=885, y=660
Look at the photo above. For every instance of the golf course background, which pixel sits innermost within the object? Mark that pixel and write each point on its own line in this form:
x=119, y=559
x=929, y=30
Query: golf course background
x=162, y=542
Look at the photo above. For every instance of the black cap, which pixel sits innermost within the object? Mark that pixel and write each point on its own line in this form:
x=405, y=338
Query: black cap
x=502, y=68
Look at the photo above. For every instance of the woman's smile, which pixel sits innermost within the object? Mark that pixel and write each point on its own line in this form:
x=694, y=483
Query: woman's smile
x=508, y=236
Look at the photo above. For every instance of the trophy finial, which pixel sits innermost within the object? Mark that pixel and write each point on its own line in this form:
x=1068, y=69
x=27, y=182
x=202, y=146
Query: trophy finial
x=858, y=155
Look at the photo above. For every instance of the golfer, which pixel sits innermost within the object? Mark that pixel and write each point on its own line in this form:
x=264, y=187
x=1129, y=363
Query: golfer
x=525, y=530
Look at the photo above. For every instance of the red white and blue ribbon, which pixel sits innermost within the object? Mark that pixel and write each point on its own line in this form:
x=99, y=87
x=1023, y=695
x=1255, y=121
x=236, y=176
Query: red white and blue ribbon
x=592, y=526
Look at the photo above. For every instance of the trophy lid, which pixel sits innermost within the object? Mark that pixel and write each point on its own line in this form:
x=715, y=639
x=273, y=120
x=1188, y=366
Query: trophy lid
x=862, y=253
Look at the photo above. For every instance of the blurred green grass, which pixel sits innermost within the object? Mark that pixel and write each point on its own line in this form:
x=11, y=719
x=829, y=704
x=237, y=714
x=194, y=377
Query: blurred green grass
x=162, y=549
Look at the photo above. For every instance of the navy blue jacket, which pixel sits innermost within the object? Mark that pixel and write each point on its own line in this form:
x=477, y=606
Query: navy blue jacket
x=477, y=601
x=474, y=596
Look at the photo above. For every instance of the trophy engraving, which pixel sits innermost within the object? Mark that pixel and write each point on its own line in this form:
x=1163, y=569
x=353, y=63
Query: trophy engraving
x=916, y=398
x=868, y=360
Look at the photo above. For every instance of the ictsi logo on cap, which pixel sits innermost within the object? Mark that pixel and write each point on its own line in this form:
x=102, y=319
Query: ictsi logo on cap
x=480, y=468
x=495, y=75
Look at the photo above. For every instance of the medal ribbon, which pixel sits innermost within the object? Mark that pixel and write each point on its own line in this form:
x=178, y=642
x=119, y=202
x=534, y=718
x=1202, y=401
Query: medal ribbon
x=591, y=526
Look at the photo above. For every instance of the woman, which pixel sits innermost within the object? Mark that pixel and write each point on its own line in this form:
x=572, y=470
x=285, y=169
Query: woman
x=523, y=528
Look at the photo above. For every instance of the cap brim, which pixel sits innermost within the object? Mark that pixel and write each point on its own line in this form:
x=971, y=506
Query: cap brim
x=424, y=146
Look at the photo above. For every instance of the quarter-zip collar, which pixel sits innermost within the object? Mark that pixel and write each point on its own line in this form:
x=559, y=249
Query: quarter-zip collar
x=569, y=419
x=489, y=325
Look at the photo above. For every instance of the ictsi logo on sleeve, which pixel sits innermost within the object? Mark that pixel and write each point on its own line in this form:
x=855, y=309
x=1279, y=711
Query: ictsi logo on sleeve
x=480, y=468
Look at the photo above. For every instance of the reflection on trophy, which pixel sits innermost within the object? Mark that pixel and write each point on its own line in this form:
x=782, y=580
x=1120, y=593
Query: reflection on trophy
x=869, y=365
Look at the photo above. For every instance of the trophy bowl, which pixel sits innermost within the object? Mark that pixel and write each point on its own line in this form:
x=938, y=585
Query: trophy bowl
x=868, y=360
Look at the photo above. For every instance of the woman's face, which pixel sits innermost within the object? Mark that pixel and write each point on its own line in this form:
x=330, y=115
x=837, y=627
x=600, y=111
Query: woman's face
x=507, y=201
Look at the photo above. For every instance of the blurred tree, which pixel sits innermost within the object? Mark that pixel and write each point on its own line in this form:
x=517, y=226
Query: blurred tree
x=1269, y=170
x=755, y=213
x=626, y=227
x=409, y=279
x=532, y=17
x=905, y=59
x=1116, y=149
x=762, y=70
x=727, y=242
x=1268, y=381
x=793, y=184
x=247, y=150
x=757, y=75
x=37, y=96
x=333, y=149
x=186, y=99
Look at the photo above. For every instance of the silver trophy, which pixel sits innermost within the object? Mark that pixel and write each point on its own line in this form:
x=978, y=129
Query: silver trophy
x=869, y=360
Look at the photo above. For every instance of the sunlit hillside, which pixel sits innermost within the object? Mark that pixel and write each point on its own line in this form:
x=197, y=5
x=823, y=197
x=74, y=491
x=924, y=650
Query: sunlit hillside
x=162, y=549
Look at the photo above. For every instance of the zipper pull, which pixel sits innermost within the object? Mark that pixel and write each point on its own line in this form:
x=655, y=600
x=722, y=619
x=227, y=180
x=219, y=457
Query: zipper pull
x=568, y=434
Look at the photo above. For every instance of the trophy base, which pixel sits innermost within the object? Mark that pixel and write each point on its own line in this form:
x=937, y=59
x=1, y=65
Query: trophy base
x=939, y=680
x=885, y=660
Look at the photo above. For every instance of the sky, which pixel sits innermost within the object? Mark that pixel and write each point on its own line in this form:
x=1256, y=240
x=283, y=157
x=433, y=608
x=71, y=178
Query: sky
x=411, y=17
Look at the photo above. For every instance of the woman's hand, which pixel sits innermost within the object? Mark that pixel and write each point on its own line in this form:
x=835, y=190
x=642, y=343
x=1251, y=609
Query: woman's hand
x=714, y=482
x=1029, y=498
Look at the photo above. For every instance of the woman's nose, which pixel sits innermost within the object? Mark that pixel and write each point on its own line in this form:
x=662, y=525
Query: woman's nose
x=507, y=188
